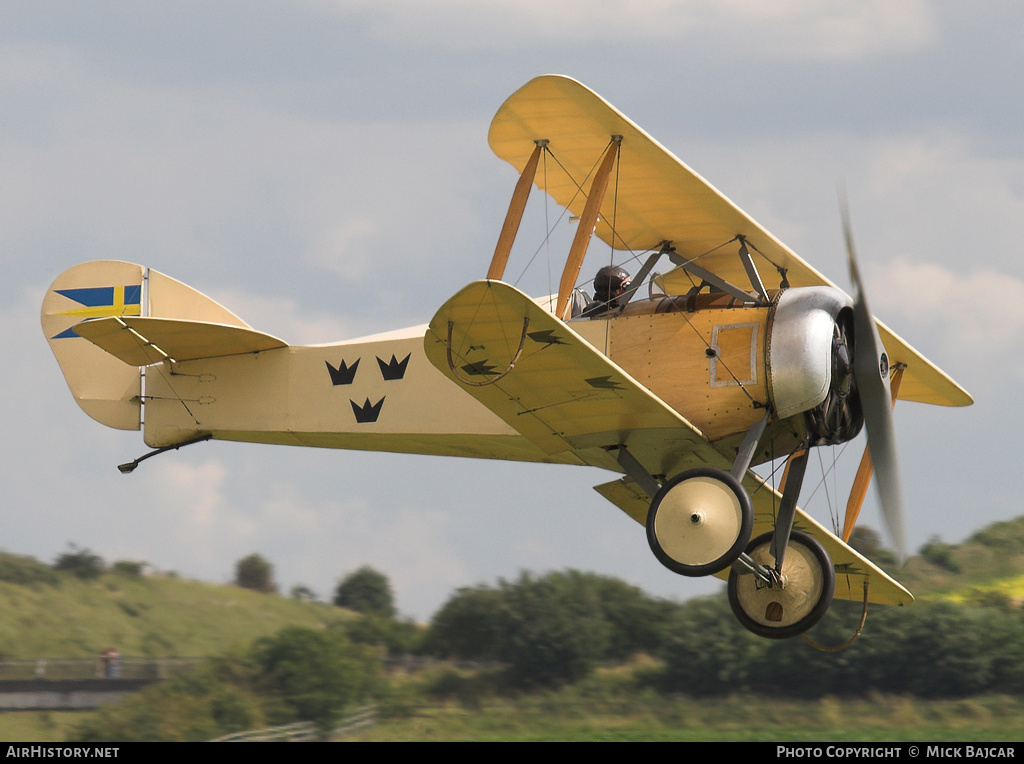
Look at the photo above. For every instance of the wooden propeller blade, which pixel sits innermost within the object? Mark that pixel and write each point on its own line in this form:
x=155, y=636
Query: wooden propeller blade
x=515, y=215
x=785, y=472
x=864, y=472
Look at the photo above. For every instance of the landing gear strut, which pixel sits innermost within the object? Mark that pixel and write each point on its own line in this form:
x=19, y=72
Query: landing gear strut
x=794, y=599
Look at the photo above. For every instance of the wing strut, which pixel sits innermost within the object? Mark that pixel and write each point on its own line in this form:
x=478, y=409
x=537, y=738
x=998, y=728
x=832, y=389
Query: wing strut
x=586, y=227
x=721, y=284
x=793, y=480
x=752, y=274
x=745, y=454
x=635, y=470
x=642, y=274
x=866, y=469
x=515, y=215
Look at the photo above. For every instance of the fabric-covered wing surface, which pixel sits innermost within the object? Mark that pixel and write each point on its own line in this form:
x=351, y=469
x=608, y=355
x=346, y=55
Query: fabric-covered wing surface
x=656, y=198
x=561, y=394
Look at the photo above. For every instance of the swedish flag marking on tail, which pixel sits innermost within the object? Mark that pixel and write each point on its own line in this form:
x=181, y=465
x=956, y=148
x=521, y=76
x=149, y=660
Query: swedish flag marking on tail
x=98, y=302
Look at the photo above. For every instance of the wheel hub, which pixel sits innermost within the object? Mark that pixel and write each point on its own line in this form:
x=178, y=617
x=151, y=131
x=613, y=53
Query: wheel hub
x=699, y=522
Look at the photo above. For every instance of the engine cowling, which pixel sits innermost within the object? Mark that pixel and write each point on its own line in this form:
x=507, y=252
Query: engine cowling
x=810, y=354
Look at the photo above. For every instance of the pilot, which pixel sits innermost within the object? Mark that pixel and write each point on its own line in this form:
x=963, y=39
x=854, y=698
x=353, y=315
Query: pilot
x=609, y=284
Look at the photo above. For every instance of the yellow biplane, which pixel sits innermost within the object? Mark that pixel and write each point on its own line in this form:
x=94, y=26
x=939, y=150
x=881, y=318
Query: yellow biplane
x=739, y=354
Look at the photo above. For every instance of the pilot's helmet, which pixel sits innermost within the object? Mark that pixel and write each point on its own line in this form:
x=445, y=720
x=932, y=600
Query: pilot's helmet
x=610, y=282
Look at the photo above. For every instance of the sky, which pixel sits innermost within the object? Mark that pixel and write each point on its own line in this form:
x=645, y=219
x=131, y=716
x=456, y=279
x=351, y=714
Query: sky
x=321, y=168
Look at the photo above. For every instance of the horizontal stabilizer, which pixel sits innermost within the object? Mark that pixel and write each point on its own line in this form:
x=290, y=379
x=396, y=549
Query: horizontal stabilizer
x=140, y=341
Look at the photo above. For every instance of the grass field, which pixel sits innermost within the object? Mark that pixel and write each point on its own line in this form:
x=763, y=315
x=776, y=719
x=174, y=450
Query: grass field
x=566, y=716
x=732, y=719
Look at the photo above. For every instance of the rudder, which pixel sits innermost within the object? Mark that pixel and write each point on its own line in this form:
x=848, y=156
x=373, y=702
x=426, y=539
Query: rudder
x=107, y=389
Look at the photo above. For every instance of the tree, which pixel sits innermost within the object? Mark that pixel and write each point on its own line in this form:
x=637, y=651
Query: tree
x=468, y=625
x=552, y=630
x=939, y=554
x=314, y=675
x=868, y=542
x=255, y=572
x=80, y=562
x=366, y=591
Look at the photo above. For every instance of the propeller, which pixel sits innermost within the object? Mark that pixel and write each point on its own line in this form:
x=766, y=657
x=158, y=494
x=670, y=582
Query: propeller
x=871, y=369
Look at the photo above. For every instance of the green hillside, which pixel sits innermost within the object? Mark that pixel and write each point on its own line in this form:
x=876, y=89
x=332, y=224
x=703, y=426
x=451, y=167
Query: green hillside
x=50, y=614
x=987, y=567
x=937, y=661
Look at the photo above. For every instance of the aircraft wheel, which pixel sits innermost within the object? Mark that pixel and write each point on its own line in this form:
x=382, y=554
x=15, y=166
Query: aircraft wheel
x=779, y=613
x=699, y=522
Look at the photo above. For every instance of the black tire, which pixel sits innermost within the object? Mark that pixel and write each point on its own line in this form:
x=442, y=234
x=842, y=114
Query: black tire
x=784, y=613
x=699, y=522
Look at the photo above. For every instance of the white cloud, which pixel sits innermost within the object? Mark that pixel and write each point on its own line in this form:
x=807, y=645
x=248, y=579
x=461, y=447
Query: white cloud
x=287, y=318
x=258, y=180
x=801, y=30
x=980, y=311
x=200, y=490
x=197, y=180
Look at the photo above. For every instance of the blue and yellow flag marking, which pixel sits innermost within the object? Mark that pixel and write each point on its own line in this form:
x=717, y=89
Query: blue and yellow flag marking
x=98, y=302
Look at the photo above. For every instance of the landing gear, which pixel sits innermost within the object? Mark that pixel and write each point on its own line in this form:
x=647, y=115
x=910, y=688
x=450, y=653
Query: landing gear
x=799, y=595
x=699, y=522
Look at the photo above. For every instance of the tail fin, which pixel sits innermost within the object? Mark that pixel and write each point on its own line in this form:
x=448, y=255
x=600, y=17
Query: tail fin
x=108, y=389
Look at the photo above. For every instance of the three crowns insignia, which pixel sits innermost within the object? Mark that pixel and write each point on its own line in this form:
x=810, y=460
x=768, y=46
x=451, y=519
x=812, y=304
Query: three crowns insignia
x=343, y=374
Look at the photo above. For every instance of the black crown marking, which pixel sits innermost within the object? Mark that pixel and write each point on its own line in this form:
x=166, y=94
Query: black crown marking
x=604, y=383
x=343, y=375
x=367, y=412
x=547, y=337
x=395, y=369
x=478, y=369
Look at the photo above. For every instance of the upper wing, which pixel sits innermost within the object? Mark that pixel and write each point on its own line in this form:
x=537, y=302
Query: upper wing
x=659, y=199
x=552, y=386
x=923, y=381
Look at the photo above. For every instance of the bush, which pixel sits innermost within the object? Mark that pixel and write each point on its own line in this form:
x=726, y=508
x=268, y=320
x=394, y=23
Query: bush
x=397, y=637
x=193, y=707
x=939, y=554
x=80, y=563
x=708, y=652
x=314, y=675
x=473, y=623
x=302, y=593
x=129, y=568
x=298, y=675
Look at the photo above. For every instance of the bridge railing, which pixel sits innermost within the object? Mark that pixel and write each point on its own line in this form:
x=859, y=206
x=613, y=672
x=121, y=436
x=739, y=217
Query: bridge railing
x=95, y=668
